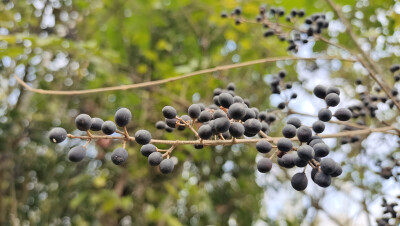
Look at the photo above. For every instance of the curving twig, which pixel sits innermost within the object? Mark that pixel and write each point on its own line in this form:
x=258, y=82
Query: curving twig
x=163, y=81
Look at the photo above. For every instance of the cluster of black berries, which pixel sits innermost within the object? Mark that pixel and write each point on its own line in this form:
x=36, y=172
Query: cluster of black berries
x=369, y=102
x=122, y=118
x=277, y=85
x=310, y=151
x=270, y=20
x=229, y=116
x=390, y=217
x=312, y=148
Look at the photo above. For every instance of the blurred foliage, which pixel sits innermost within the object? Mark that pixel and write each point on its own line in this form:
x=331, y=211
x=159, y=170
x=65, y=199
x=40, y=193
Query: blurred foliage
x=82, y=44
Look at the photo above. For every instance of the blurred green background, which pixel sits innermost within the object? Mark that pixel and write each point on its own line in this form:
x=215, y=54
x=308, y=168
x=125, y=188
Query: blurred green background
x=83, y=44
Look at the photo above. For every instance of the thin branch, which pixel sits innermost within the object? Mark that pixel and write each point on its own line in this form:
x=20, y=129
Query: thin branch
x=163, y=81
x=236, y=141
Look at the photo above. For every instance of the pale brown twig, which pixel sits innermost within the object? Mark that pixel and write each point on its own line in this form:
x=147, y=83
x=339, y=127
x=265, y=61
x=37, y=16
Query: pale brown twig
x=163, y=81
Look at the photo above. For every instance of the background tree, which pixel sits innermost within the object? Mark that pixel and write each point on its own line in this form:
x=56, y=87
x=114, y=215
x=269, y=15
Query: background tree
x=80, y=45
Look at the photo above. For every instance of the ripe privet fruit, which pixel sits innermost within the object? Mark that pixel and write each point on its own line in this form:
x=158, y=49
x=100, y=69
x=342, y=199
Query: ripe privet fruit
x=324, y=115
x=161, y=125
x=320, y=91
x=76, y=154
x=57, y=135
x=194, y=111
x=321, y=150
x=225, y=100
x=171, y=122
x=337, y=172
x=315, y=141
x=169, y=112
x=166, y=166
x=332, y=99
x=226, y=135
x=394, y=68
x=287, y=161
x=219, y=114
x=205, y=132
x=216, y=100
x=343, y=114
x=282, y=74
x=281, y=105
x=122, y=117
x=205, y=116
x=155, y=158
x=284, y=145
x=236, y=129
x=313, y=172
x=252, y=126
x=142, y=137
x=119, y=156
x=270, y=118
x=322, y=179
x=249, y=114
x=147, y=149
x=328, y=166
x=264, y=165
x=238, y=99
x=313, y=138
x=263, y=146
x=294, y=121
x=222, y=125
x=299, y=181
x=83, y=122
x=231, y=86
x=262, y=116
x=300, y=162
x=108, y=127
x=289, y=131
x=304, y=133
x=332, y=90
x=305, y=152
x=318, y=126
x=96, y=124
x=265, y=127
x=169, y=129
x=217, y=91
